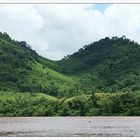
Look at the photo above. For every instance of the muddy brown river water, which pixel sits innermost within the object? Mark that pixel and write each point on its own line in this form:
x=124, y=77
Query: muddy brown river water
x=70, y=126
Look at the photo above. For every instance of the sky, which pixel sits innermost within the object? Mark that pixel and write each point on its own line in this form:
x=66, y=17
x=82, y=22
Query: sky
x=56, y=30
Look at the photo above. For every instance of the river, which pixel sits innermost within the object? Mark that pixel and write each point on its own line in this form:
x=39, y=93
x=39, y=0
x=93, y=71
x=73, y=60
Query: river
x=70, y=126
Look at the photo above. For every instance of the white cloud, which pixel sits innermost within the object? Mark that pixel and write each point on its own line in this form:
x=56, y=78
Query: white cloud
x=123, y=20
x=57, y=30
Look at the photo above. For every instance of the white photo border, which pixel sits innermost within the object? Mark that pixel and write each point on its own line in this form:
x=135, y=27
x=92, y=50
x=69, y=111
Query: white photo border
x=69, y=2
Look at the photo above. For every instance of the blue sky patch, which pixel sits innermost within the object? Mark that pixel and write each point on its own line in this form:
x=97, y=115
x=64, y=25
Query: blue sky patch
x=101, y=7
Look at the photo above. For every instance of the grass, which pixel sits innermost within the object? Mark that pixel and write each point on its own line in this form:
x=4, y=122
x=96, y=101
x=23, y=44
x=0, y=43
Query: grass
x=46, y=77
x=53, y=73
x=10, y=95
x=49, y=97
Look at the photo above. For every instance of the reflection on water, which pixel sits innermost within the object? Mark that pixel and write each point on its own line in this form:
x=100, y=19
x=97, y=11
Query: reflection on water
x=70, y=126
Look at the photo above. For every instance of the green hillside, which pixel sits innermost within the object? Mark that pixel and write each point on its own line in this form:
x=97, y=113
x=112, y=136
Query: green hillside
x=108, y=65
x=22, y=69
x=102, y=78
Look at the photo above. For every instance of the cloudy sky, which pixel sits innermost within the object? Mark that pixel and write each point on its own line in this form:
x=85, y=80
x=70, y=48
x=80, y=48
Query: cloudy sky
x=58, y=30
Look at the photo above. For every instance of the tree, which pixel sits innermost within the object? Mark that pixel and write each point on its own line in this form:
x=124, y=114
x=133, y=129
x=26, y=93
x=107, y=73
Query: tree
x=94, y=99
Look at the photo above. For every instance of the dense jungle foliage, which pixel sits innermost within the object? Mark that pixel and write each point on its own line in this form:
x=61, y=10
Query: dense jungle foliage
x=99, y=104
x=102, y=78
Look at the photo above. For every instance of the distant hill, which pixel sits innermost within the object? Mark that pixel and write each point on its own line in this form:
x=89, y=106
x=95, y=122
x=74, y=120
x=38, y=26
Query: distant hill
x=22, y=69
x=107, y=65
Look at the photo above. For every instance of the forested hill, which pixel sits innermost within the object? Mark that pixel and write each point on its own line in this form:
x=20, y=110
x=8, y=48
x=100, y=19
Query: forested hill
x=100, y=52
x=107, y=65
x=102, y=78
x=22, y=69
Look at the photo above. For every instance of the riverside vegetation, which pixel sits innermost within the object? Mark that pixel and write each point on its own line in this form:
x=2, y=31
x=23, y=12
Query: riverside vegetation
x=102, y=78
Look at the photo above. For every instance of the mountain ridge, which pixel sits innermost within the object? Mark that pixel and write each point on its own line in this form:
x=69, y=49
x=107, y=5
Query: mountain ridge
x=107, y=65
x=101, y=79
